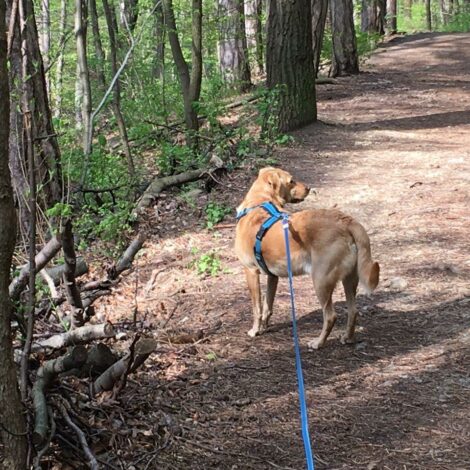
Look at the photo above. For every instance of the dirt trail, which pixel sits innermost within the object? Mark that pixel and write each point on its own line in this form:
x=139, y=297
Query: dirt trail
x=393, y=150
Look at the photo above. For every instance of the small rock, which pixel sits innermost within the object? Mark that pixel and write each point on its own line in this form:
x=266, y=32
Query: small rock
x=121, y=335
x=397, y=284
x=360, y=346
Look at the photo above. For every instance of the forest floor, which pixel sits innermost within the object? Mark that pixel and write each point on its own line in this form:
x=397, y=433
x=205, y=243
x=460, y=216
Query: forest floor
x=392, y=149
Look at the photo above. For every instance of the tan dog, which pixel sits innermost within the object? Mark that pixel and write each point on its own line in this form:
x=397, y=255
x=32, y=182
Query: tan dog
x=327, y=244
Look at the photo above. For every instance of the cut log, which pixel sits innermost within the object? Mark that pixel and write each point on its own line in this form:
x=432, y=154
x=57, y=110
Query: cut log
x=50, y=249
x=125, y=261
x=45, y=376
x=81, y=335
x=99, y=358
x=107, y=379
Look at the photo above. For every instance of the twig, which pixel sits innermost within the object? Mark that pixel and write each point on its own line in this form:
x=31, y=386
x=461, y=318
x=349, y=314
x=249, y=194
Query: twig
x=81, y=437
x=123, y=380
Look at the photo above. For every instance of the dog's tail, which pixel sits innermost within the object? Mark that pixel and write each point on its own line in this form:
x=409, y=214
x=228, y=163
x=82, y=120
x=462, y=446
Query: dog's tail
x=368, y=270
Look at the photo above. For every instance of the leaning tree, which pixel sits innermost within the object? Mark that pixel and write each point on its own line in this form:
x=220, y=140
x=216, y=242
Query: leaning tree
x=289, y=62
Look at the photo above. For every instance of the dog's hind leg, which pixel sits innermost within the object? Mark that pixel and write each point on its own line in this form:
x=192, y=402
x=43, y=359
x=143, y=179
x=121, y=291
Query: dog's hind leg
x=324, y=290
x=350, y=288
x=252, y=278
x=271, y=289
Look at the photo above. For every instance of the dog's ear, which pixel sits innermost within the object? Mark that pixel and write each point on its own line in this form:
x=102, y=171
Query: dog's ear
x=273, y=179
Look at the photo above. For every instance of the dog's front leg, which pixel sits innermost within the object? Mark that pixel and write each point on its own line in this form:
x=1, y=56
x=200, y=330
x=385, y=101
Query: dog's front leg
x=268, y=301
x=252, y=278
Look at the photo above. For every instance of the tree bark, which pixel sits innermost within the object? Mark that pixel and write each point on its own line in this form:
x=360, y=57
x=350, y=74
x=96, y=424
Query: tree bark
x=45, y=32
x=289, y=62
x=13, y=429
x=232, y=46
x=84, y=74
x=319, y=14
x=190, y=84
x=129, y=13
x=345, y=60
x=98, y=45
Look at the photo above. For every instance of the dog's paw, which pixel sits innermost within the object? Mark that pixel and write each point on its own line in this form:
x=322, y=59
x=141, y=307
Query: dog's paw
x=346, y=339
x=315, y=344
x=253, y=332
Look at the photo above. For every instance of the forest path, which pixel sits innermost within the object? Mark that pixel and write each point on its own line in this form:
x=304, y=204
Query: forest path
x=393, y=151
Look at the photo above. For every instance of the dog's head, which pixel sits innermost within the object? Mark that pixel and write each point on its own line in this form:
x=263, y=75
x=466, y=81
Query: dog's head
x=282, y=186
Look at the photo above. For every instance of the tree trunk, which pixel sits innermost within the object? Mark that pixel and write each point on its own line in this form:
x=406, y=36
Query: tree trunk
x=84, y=74
x=47, y=154
x=45, y=32
x=98, y=45
x=159, y=35
x=392, y=18
x=368, y=16
x=232, y=46
x=60, y=60
x=116, y=104
x=345, y=60
x=190, y=84
x=428, y=15
x=319, y=14
x=13, y=430
x=254, y=32
x=289, y=62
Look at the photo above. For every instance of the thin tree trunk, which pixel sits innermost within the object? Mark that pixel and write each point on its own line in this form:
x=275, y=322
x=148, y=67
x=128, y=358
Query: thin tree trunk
x=368, y=16
x=319, y=14
x=116, y=104
x=45, y=32
x=289, y=62
x=84, y=75
x=159, y=35
x=407, y=8
x=190, y=84
x=345, y=60
x=129, y=13
x=60, y=60
x=13, y=429
x=392, y=17
x=428, y=15
x=98, y=45
x=47, y=154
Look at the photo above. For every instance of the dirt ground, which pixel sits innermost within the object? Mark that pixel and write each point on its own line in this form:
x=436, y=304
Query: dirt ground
x=392, y=148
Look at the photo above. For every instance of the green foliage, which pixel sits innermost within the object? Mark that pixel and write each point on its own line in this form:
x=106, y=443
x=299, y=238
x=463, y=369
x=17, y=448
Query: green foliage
x=208, y=264
x=367, y=42
x=61, y=210
x=215, y=213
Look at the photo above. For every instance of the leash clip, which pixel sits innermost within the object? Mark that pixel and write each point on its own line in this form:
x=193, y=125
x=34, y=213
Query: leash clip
x=285, y=220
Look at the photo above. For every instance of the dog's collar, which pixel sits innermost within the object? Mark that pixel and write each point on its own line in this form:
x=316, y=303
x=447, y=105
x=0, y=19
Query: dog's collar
x=275, y=216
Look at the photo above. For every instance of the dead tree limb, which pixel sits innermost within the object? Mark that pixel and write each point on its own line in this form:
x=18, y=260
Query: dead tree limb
x=159, y=184
x=93, y=463
x=50, y=249
x=81, y=335
x=71, y=289
x=40, y=454
x=125, y=261
x=45, y=376
x=56, y=272
x=107, y=379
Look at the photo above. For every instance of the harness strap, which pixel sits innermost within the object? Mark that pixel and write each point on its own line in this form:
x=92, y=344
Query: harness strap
x=276, y=215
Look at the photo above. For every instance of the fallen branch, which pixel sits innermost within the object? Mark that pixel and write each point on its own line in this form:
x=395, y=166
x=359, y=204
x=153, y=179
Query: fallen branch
x=159, y=184
x=125, y=261
x=50, y=249
x=56, y=272
x=81, y=335
x=45, y=376
x=99, y=358
x=107, y=379
x=93, y=463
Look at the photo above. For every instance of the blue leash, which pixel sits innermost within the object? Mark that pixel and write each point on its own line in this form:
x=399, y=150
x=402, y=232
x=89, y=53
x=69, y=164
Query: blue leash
x=298, y=362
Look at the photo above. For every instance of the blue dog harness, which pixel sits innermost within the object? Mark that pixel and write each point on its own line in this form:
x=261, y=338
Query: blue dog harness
x=275, y=216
